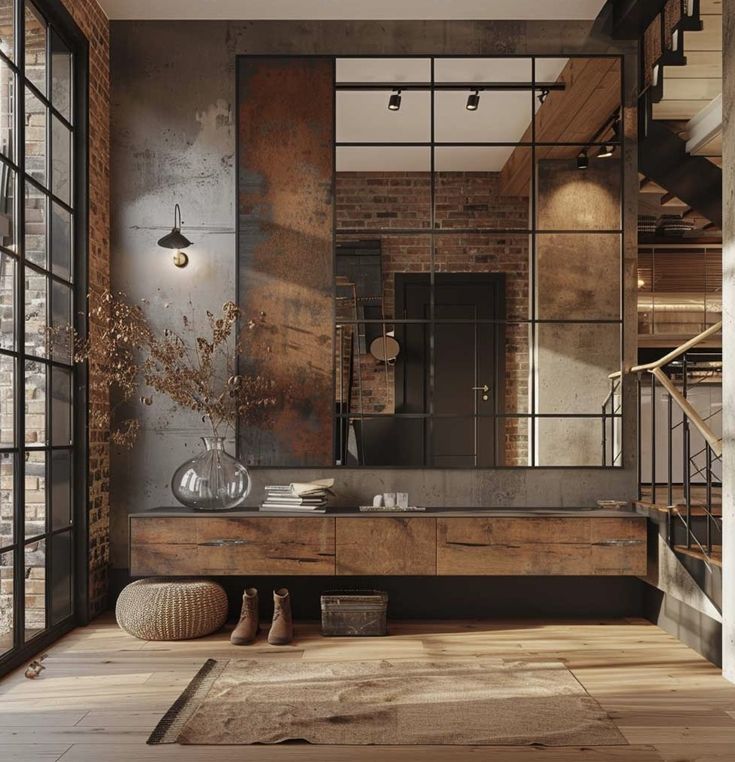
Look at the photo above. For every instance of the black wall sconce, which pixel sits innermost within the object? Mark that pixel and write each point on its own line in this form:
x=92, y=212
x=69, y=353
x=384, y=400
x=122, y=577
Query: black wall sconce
x=176, y=240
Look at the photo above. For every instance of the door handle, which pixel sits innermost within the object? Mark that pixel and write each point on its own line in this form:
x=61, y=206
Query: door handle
x=484, y=389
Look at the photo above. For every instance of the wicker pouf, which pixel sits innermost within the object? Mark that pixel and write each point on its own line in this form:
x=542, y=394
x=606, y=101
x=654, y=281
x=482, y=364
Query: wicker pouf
x=171, y=609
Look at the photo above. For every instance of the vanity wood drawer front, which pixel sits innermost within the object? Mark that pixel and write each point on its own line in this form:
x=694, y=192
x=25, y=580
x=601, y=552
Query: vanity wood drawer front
x=529, y=546
x=386, y=545
x=221, y=546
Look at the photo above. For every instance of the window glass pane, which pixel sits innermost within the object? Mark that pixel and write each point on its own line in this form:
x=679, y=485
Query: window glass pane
x=7, y=499
x=7, y=401
x=60, y=241
x=36, y=299
x=7, y=109
x=7, y=301
x=61, y=158
x=35, y=138
x=35, y=412
x=60, y=76
x=61, y=477
x=8, y=191
x=35, y=233
x=61, y=577
x=7, y=28
x=61, y=386
x=35, y=494
x=35, y=588
x=61, y=336
x=35, y=47
x=6, y=602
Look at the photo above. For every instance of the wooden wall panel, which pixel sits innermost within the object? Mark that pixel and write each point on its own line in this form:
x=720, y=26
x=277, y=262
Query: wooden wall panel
x=386, y=545
x=285, y=257
x=541, y=546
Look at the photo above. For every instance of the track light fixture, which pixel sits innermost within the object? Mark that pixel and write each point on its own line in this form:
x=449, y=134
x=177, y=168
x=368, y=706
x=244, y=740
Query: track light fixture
x=473, y=101
x=543, y=95
x=583, y=160
x=606, y=151
x=176, y=240
x=394, y=102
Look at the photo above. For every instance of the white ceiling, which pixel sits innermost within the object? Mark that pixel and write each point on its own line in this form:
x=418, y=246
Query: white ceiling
x=502, y=116
x=352, y=9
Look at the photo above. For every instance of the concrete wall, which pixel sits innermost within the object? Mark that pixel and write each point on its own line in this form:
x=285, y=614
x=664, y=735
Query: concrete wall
x=728, y=342
x=578, y=279
x=173, y=123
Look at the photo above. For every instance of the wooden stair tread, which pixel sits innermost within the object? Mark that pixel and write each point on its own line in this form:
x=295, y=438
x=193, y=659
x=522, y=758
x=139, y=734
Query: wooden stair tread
x=715, y=559
x=696, y=510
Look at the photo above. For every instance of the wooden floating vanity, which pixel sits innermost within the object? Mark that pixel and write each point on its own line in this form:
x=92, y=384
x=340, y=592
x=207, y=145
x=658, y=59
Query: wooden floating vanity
x=175, y=542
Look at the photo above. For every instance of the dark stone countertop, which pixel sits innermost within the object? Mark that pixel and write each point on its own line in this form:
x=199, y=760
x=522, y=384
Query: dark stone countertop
x=250, y=512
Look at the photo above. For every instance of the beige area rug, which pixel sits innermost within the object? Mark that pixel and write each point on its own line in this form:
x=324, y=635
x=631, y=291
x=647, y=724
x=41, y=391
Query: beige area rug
x=468, y=702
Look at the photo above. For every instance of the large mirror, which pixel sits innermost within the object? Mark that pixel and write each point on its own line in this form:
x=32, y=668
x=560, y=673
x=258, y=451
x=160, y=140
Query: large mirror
x=436, y=246
x=477, y=262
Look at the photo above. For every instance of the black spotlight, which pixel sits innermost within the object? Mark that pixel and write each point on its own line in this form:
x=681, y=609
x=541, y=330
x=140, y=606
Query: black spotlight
x=473, y=101
x=583, y=161
x=606, y=151
x=394, y=102
x=543, y=95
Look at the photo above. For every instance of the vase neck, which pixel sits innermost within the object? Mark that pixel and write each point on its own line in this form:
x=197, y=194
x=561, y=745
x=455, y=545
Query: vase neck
x=214, y=443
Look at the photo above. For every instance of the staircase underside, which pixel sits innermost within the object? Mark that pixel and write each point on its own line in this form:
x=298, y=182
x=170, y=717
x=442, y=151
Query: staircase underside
x=662, y=157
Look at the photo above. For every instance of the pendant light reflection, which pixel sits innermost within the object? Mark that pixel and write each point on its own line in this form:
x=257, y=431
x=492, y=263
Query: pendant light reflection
x=473, y=101
x=176, y=240
x=394, y=102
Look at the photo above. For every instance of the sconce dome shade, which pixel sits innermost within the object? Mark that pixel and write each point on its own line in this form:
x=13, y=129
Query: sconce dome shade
x=174, y=240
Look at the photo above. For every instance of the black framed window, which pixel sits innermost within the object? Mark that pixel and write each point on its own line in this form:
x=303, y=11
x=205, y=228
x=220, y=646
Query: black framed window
x=41, y=267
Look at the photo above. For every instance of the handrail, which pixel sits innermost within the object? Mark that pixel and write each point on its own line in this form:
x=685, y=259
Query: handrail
x=688, y=409
x=678, y=352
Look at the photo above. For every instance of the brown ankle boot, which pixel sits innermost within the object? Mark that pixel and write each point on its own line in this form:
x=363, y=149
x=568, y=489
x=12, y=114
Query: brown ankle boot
x=246, y=630
x=281, y=631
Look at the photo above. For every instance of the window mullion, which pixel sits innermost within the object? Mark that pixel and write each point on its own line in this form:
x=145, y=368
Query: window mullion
x=19, y=581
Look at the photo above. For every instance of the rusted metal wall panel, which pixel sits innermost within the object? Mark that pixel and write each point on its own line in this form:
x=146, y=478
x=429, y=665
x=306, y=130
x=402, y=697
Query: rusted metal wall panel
x=285, y=250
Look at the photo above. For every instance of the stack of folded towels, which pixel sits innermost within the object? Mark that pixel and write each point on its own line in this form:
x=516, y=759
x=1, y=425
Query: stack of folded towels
x=298, y=497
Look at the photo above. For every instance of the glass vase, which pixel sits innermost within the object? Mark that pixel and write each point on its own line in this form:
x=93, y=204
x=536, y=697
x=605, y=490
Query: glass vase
x=213, y=481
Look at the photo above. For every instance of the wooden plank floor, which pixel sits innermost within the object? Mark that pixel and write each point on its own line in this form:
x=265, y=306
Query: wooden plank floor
x=103, y=692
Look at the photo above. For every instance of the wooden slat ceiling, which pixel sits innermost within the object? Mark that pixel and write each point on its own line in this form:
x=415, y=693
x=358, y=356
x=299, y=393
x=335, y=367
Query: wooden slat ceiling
x=572, y=115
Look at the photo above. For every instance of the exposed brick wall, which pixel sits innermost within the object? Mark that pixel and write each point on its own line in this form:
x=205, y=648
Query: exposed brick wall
x=95, y=26
x=401, y=200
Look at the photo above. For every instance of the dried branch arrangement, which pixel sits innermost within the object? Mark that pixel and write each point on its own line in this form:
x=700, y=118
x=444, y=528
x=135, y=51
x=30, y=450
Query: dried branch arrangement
x=134, y=361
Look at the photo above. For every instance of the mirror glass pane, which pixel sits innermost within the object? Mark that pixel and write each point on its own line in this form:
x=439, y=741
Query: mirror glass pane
x=478, y=262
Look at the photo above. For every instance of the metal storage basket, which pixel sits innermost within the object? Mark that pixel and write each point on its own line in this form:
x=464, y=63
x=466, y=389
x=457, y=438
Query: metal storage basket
x=354, y=613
